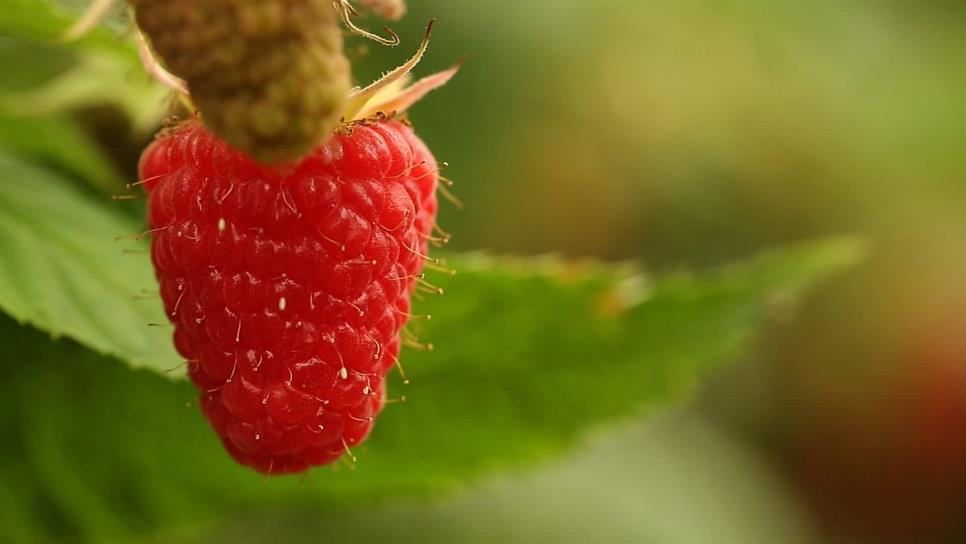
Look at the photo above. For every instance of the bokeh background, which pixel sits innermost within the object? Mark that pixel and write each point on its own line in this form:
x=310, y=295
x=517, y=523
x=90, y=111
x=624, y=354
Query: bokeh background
x=695, y=131
x=686, y=134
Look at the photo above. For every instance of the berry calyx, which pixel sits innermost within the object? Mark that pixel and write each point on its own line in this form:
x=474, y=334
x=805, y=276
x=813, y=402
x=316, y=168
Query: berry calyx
x=269, y=76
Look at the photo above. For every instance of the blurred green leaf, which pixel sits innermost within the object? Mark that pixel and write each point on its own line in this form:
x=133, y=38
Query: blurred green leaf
x=48, y=20
x=59, y=141
x=29, y=64
x=530, y=354
x=63, y=271
x=676, y=480
x=33, y=19
x=47, y=76
x=96, y=78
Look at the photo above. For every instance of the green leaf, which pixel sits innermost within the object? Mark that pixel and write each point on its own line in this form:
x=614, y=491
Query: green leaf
x=58, y=140
x=48, y=20
x=34, y=19
x=677, y=480
x=46, y=75
x=98, y=77
x=29, y=64
x=529, y=355
x=64, y=272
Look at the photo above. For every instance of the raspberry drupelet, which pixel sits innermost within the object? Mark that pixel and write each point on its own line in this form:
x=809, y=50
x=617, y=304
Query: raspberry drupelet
x=288, y=286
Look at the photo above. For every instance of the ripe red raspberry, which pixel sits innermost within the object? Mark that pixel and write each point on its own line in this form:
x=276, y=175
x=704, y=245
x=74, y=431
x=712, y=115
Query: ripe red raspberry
x=288, y=286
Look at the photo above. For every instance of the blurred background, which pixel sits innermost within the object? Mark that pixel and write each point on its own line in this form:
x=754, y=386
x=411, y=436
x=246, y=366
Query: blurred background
x=685, y=134
x=691, y=132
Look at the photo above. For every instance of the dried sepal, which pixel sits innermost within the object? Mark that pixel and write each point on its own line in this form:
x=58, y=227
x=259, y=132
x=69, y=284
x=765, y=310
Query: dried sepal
x=391, y=86
x=399, y=100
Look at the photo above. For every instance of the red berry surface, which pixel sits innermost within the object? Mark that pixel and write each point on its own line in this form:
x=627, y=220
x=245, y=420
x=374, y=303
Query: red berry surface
x=288, y=286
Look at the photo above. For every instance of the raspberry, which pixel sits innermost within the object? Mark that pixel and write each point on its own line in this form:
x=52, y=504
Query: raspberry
x=269, y=76
x=288, y=286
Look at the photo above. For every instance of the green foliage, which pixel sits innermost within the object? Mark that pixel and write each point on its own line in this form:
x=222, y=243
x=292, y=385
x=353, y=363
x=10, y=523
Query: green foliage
x=44, y=76
x=36, y=19
x=103, y=443
x=48, y=20
x=63, y=270
x=58, y=140
x=529, y=356
x=689, y=482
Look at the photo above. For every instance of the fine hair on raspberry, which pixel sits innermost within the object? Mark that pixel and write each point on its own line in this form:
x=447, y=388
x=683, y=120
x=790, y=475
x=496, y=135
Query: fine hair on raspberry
x=289, y=286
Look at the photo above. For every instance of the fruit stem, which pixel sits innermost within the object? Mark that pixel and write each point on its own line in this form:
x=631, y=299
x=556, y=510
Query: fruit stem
x=154, y=68
x=346, y=10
